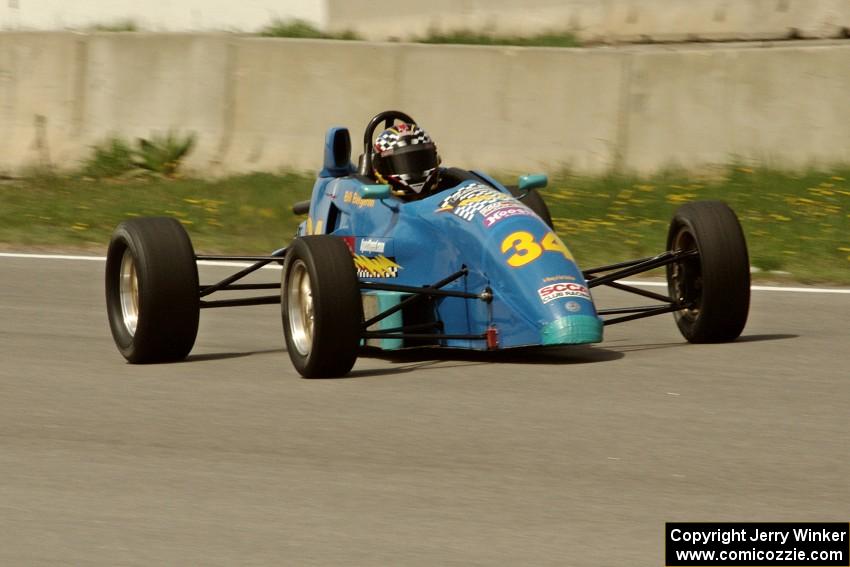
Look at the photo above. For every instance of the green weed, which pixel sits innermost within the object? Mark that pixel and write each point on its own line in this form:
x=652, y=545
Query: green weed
x=468, y=37
x=295, y=28
x=127, y=25
x=160, y=155
x=163, y=154
x=112, y=158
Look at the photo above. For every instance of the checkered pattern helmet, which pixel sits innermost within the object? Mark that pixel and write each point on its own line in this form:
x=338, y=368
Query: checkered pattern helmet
x=406, y=158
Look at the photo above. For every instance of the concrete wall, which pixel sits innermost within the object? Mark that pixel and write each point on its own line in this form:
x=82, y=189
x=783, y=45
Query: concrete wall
x=264, y=104
x=156, y=15
x=598, y=20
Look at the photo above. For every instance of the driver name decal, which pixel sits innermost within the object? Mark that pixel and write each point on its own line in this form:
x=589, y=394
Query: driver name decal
x=557, y=291
x=357, y=200
x=484, y=201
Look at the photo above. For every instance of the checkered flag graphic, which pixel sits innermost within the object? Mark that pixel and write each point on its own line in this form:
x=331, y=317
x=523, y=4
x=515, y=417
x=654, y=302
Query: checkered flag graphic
x=392, y=138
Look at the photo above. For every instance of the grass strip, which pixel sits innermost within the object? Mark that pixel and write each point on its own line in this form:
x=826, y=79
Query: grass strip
x=797, y=223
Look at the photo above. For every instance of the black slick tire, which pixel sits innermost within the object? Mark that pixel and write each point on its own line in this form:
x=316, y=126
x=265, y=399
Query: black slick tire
x=321, y=307
x=535, y=202
x=716, y=283
x=152, y=295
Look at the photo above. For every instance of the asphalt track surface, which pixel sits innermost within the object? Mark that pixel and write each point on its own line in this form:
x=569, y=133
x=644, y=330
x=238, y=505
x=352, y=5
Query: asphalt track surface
x=570, y=458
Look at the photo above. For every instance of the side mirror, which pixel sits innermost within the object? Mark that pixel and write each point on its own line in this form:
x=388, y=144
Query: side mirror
x=532, y=181
x=375, y=191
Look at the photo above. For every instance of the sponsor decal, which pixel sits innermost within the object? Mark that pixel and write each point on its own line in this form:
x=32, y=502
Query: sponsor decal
x=557, y=291
x=376, y=267
x=501, y=211
x=572, y=306
x=549, y=279
x=372, y=246
x=484, y=201
x=356, y=200
x=349, y=241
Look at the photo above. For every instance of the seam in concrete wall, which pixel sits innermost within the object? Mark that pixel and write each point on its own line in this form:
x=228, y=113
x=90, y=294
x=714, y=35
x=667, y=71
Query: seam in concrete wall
x=229, y=110
x=620, y=150
x=81, y=49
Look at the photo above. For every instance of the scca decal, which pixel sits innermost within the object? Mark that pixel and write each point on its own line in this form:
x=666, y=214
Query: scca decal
x=559, y=290
x=377, y=267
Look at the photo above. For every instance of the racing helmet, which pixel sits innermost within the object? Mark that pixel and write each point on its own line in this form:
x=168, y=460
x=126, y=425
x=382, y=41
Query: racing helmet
x=407, y=159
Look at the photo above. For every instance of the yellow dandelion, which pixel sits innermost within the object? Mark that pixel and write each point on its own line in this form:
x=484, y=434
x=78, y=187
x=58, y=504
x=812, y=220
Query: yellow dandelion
x=193, y=201
x=679, y=198
x=186, y=221
x=837, y=178
x=844, y=249
x=745, y=170
x=779, y=217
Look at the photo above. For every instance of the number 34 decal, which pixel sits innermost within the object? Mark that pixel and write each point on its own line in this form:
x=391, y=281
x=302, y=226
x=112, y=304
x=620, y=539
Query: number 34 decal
x=524, y=249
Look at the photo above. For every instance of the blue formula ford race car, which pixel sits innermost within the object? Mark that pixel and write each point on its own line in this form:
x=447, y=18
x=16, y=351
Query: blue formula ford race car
x=399, y=252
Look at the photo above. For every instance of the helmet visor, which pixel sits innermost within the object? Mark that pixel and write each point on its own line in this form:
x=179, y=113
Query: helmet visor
x=415, y=160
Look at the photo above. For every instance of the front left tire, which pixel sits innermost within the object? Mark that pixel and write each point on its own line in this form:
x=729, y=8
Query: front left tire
x=716, y=282
x=152, y=297
x=321, y=307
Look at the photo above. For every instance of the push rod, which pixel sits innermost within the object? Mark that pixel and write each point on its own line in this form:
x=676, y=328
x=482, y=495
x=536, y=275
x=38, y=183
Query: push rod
x=658, y=311
x=641, y=292
x=243, y=302
x=240, y=274
x=655, y=262
x=621, y=310
x=382, y=335
x=420, y=290
x=208, y=258
x=233, y=287
x=418, y=296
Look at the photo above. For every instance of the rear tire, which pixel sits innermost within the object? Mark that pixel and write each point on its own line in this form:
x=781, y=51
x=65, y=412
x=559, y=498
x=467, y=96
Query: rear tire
x=152, y=295
x=717, y=281
x=535, y=202
x=321, y=307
